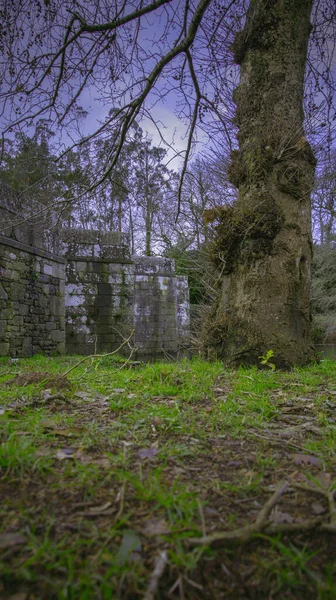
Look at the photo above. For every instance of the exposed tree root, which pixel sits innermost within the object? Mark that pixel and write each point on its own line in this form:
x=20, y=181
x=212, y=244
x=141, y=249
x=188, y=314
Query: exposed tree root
x=262, y=524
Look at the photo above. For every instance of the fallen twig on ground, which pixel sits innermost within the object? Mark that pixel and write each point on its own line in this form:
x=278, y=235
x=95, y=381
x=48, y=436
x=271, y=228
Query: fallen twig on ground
x=279, y=442
x=94, y=356
x=329, y=494
x=160, y=565
x=262, y=525
x=121, y=501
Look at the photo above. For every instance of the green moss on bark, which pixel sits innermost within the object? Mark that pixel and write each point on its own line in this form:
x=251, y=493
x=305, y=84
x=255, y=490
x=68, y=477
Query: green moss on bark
x=245, y=234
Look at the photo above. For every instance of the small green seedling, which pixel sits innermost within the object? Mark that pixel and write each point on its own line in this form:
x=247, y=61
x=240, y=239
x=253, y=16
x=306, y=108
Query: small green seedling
x=264, y=360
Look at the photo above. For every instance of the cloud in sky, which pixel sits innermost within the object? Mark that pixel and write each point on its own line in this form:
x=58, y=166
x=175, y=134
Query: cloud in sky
x=163, y=126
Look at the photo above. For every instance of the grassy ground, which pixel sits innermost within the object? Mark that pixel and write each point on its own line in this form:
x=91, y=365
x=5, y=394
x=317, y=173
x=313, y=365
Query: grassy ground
x=178, y=481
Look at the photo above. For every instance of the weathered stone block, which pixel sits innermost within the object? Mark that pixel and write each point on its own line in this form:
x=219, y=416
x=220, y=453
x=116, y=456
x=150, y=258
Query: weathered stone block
x=81, y=267
x=47, y=269
x=103, y=311
x=27, y=346
x=104, y=301
x=3, y=326
x=107, y=339
x=17, y=322
x=21, y=266
x=44, y=302
x=6, y=273
x=57, y=336
x=4, y=348
x=58, y=270
x=105, y=289
x=61, y=348
x=3, y=294
x=75, y=301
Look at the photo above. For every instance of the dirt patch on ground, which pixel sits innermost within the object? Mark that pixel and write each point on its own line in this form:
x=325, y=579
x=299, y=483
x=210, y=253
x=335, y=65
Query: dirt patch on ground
x=48, y=380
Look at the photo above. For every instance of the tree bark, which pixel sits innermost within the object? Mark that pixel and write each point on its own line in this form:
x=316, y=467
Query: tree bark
x=263, y=246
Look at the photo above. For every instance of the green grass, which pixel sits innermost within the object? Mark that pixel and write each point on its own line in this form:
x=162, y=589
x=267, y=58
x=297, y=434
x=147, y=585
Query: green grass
x=18, y=456
x=213, y=438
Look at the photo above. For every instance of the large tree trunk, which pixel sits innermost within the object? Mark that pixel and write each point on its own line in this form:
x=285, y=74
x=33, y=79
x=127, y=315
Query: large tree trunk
x=263, y=245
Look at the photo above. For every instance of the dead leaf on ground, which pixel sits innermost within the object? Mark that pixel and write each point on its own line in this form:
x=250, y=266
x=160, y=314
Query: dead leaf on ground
x=147, y=452
x=83, y=395
x=212, y=512
x=64, y=453
x=154, y=527
x=102, y=461
x=317, y=508
x=234, y=463
x=289, y=409
x=225, y=399
x=68, y=432
x=324, y=479
x=277, y=516
x=298, y=477
x=48, y=396
x=42, y=452
x=129, y=548
x=8, y=540
x=306, y=459
x=101, y=397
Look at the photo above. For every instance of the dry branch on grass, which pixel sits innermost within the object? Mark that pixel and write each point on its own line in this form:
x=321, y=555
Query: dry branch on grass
x=92, y=357
x=160, y=565
x=262, y=524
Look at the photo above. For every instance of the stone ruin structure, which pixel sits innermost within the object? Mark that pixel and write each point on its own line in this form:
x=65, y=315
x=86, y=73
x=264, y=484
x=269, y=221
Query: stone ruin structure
x=80, y=291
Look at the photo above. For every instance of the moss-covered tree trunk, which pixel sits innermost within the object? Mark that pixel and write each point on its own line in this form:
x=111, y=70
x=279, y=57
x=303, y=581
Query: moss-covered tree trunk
x=263, y=245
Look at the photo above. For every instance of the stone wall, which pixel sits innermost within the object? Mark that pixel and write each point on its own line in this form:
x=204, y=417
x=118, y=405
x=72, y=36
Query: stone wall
x=85, y=296
x=161, y=315
x=109, y=294
x=31, y=300
x=98, y=291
